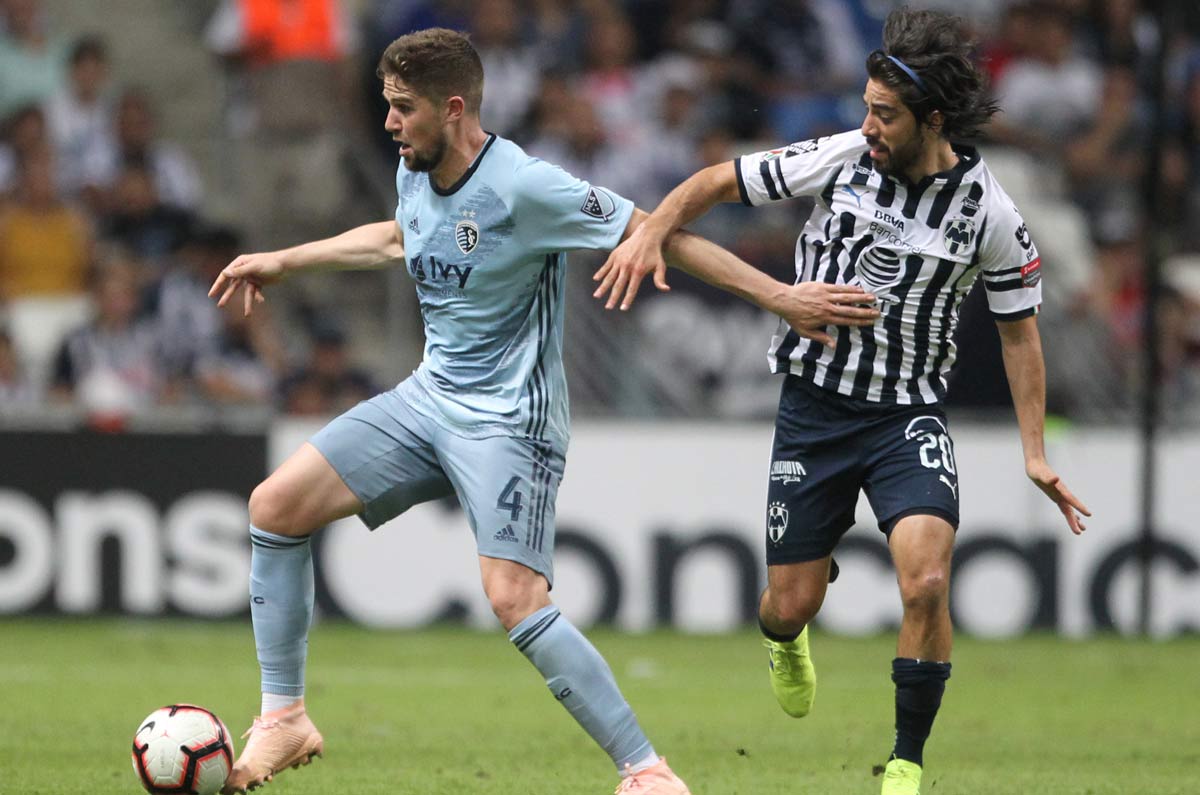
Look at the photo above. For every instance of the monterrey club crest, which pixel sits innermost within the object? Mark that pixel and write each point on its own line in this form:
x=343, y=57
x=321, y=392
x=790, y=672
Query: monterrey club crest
x=958, y=235
x=466, y=234
x=777, y=521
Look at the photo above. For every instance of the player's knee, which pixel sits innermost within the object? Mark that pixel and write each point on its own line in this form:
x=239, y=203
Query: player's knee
x=795, y=609
x=925, y=591
x=273, y=511
x=512, y=601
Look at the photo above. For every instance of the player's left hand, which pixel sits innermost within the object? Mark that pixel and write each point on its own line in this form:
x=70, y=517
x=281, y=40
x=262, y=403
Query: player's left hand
x=1052, y=486
x=628, y=264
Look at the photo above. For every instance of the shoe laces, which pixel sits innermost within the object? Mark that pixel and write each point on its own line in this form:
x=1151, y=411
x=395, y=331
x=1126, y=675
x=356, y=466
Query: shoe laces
x=782, y=657
x=260, y=723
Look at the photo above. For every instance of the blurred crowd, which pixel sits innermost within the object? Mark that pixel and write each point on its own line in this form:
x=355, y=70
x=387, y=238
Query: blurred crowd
x=107, y=244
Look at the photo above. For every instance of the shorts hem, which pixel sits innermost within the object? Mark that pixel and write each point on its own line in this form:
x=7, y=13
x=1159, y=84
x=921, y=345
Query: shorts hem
x=536, y=566
x=886, y=526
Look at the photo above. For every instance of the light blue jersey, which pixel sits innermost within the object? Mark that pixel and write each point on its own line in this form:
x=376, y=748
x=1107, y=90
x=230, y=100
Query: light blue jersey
x=488, y=255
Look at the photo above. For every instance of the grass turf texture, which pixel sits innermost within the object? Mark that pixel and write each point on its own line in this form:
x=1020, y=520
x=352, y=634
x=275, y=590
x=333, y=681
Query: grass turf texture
x=449, y=711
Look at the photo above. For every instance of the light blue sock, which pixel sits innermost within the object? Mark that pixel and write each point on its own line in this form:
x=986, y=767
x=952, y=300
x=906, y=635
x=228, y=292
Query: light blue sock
x=281, y=608
x=583, y=683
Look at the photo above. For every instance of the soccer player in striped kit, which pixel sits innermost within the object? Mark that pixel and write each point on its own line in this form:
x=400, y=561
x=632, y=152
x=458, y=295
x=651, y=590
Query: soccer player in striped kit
x=909, y=212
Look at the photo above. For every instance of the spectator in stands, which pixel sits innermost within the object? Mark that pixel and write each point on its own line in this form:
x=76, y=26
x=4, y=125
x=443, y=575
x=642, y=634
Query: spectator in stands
x=585, y=149
x=112, y=366
x=24, y=133
x=33, y=62
x=511, y=66
x=610, y=80
x=328, y=383
x=1181, y=167
x=137, y=143
x=80, y=115
x=244, y=367
x=811, y=52
x=731, y=88
x=1009, y=43
x=139, y=220
x=16, y=389
x=1051, y=92
x=1105, y=163
x=190, y=325
x=45, y=244
x=292, y=61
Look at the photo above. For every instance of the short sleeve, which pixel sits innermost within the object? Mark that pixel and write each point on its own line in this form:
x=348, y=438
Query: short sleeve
x=557, y=212
x=804, y=168
x=1011, y=266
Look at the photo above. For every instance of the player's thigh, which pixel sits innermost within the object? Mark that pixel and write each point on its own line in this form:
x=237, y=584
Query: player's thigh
x=508, y=486
x=814, y=476
x=911, y=468
x=304, y=494
x=922, y=548
x=383, y=452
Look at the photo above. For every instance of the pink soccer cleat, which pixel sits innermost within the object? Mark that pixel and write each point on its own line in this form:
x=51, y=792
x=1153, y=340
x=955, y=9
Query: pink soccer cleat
x=654, y=780
x=278, y=740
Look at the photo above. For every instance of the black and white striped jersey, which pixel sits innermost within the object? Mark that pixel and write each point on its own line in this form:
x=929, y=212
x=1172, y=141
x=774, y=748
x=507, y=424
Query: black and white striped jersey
x=917, y=247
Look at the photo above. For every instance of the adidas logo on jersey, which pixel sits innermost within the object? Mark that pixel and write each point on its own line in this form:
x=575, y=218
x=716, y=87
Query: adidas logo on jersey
x=505, y=534
x=414, y=227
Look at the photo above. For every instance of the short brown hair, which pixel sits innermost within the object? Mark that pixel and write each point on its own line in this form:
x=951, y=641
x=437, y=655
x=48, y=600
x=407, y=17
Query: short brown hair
x=436, y=63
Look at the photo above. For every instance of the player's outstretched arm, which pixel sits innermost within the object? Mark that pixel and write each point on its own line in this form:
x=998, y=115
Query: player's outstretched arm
x=365, y=247
x=808, y=307
x=1026, y=370
x=642, y=254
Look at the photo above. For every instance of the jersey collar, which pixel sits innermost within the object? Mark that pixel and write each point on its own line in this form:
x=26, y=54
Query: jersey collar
x=450, y=191
x=968, y=158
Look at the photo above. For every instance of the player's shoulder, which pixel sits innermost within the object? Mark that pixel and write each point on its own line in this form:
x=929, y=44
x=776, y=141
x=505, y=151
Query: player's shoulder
x=849, y=145
x=995, y=199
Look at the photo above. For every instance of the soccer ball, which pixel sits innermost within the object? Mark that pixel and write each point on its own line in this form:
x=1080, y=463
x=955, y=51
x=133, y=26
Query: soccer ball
x=182, y=748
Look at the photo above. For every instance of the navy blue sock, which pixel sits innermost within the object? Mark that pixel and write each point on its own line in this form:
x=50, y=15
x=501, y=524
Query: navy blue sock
x=919, y=688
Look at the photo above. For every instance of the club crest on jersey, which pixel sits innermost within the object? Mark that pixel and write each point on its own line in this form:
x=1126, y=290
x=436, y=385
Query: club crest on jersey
x=777, y=521
x=958, y=235
x=599, y=204
x=466, y=234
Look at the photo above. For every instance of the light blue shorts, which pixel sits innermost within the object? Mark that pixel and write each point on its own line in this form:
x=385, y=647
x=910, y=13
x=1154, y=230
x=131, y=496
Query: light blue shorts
x=393, y=457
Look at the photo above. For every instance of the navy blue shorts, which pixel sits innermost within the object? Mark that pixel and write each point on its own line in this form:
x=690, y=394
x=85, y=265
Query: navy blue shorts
x=827, y=447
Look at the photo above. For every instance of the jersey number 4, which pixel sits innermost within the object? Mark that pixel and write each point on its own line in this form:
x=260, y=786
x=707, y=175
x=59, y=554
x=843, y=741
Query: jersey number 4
x=510, y=499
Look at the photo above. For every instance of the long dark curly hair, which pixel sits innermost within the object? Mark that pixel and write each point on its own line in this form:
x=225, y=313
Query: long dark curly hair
x=937, y=47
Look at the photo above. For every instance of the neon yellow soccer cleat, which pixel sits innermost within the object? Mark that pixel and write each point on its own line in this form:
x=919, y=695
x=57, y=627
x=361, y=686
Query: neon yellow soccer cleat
x=901, y=777
x=793, y=677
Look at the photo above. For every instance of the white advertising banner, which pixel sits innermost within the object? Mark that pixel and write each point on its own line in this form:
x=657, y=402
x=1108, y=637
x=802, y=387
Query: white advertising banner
x=664, y=524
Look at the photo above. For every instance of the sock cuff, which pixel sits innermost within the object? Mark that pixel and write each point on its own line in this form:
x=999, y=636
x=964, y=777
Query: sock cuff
x=261, y=538
x=907, y=672
x=533, y=627
x=775, y=636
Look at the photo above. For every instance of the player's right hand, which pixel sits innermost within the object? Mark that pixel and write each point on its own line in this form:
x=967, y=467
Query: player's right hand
x=808, y=307
x=629, y=263
x=252, y=271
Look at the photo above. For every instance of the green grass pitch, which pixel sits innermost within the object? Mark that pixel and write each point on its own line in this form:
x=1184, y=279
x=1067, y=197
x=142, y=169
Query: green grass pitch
x=450, y=712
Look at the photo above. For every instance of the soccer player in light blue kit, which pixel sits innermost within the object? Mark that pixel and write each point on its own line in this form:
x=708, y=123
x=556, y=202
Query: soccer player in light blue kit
x=482, y=229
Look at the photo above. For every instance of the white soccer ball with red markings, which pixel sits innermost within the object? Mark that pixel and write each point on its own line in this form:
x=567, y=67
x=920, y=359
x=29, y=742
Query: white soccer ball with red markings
x=182, y=748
